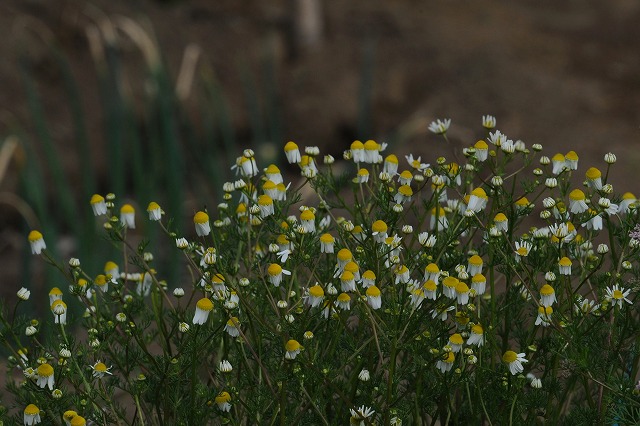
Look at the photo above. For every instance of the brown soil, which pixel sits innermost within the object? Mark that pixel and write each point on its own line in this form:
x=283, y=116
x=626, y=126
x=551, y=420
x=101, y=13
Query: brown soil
x=564, y=74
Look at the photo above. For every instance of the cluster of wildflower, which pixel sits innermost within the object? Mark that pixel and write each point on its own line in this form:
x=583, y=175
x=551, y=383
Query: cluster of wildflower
x=418, y=265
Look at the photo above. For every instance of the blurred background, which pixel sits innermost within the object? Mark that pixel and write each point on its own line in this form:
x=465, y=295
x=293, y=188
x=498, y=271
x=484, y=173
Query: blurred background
x=154, y=100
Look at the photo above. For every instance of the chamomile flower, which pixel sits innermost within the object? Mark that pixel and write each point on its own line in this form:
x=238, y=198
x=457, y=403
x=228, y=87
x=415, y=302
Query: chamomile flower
x=272, y=172
x=446, y=362
x=128, y=216
x=154, y=211
x=415, y=163
x=292, y=348
x=225, y=366
x=474, y=265
x=431, y=272
x=417, y=296
x=354, y=269
x=357, y=151
x=617, y=295
x=440, y=127
x=479, y=284
x=628, y=199
x=45, y=376
x=476, y=337
x=343, y=256
x=488, y=122
x=401, y=273
x=547, y=295
x=265, y=204
x=477, y=200
x=203, y=309
x=232, y=327
x=514, y=361
x=534, y=381
x=586, y=306
x=100, y=369
x=571, y=160
x=456, y=341
x=36, y=240
x=23, y=294
x=379, y=231
x=403, y=195
x=438, y=216
x=59, y=310
x=308, y=221
x=594, y=178
x=449, y=286
x=481, y=150
x=462, y=293
x=315, y=296
x=347, y=281
x=343, y=301
x=390, y=165
x=78, y=421
x=98, y=205
x=558, y=163
x=364, y=375
x=292, y=152
x=359, y=416
x=327, y=242
x=67, y=416
x=202, y=225
x=544, y=316
x=577, y=203
x=223, y=401
x=276, y=273
x=31, y=415
x=427, y=240
x=564, y=266
x=373, y=297
x=368, y=278
x=100, y=281
x=405, y=177
x=522, y=249
x=372, y=152
x=429, y=289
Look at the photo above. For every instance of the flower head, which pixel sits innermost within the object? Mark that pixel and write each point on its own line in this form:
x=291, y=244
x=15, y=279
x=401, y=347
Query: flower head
x=201, y=222
x=98, y=205
x=232, y=327
x=100, y=369
x=359, y=416
x=275, y=273
x=373, y=297
x=446, y=362
x=292, y=348
x=59, y=309
x=128, y=216
x=154, y=210
x=617, y=295
x=514, y=361
x=476, y=337
x=31, y=415
x=223, y=401
x=23, y=294
x=45, y=376
x=440, y=127
x=203, y=309
x=36, y=240
x=292, y=152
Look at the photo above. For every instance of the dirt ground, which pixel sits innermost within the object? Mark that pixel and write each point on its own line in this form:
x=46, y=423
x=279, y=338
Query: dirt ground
x=563, y=74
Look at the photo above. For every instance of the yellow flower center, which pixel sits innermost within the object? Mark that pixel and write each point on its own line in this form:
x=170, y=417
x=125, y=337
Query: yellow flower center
x=205, y=304
x=509, y=357
x=316, y=291
x=373, y=291
x=274, y=269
